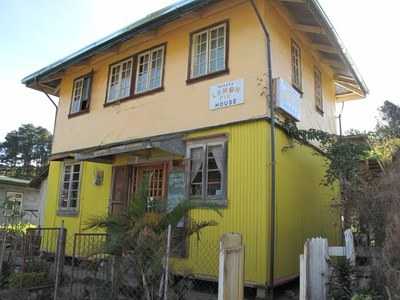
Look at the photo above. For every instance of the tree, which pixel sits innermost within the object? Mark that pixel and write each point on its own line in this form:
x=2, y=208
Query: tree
x=25, y=151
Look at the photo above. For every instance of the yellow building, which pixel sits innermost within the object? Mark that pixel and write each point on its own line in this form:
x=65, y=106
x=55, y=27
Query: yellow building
x=182, y=95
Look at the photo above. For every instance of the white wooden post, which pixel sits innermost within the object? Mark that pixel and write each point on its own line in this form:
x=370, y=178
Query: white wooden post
x=349, y=247
x=317, y=268
x=231, y=267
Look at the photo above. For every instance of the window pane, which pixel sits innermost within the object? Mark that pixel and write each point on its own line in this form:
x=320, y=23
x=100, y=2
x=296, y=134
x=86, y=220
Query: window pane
x=77, y=96
x=156, y=69
x=217, y=50
x=196, y=171
x=199, y=54
x=215, y=167
x=120, y=80
x=70, y=187
x=143, y=72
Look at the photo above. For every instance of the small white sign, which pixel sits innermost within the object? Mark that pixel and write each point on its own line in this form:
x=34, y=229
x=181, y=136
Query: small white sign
x=287, y=98
x=226, y=94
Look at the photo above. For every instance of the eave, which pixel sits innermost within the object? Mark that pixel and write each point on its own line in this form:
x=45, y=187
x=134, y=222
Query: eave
x=307, y=16
x=310, y=20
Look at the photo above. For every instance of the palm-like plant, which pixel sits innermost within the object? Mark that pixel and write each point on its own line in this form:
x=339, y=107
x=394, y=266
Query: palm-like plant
x=138, y=237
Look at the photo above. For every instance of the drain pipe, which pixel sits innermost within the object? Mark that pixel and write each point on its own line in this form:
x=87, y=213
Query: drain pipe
x=271, y=103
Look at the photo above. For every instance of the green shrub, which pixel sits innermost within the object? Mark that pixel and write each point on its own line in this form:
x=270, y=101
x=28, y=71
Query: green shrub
x=27, y=280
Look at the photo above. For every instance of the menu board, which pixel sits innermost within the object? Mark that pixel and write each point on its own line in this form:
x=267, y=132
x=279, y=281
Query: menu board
x=176, y=188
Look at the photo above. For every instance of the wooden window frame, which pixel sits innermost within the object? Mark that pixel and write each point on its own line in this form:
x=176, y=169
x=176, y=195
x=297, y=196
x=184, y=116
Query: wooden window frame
x=150, y=53
x=84, y=111
x=297, y=85
x=119, y=63
x=318, y=91
x=134, y=72
x=69, y=211
x=208, y=75
x=204, y=198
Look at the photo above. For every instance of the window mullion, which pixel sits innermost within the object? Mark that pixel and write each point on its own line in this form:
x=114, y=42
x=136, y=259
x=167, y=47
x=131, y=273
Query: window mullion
x=205, y=172
x=150, y=54
x=207, y=51
x=69, y=195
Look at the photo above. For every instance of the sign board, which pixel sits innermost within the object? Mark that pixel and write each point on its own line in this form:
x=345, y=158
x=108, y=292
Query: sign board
x=287, y=98
x=226, y=94
x=176, y=188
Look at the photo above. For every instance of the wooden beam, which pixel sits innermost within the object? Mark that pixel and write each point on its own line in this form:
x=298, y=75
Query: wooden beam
x=309, y=28
x=334, y=63
x=294, y=1
x=325, y=48
x=350, y=88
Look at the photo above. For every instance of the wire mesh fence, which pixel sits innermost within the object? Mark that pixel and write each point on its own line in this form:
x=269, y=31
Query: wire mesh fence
x=30, y=262
x=46, y=263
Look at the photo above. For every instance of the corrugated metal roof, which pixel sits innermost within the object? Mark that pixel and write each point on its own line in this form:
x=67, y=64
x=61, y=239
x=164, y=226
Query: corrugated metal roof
x=166, y=14
x=12, y=180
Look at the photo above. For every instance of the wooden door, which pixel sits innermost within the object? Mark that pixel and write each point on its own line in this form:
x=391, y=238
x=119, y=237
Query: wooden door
x=156, y=175
x=122, y=178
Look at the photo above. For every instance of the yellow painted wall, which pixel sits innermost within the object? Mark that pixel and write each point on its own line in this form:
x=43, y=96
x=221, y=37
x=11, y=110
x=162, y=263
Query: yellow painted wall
x=93, y=199
x=181, y=106
x=282, y=32
x=302, y=203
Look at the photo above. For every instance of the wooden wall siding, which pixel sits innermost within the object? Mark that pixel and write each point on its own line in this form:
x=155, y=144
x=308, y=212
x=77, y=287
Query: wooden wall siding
x=303, y=204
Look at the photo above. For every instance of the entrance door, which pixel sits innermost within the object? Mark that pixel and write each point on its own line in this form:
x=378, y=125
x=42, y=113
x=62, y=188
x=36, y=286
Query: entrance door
x=156, y=176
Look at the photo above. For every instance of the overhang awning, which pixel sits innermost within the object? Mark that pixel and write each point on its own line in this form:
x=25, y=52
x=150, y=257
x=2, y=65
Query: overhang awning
x=170, y=145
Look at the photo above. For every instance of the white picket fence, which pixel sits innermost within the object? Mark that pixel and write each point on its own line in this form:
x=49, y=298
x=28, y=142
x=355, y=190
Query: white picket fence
x=314, y=269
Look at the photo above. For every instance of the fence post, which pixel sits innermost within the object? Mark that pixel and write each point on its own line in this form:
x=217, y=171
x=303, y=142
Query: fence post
x=60, y=252
x=349, y=247
x=317, y=269
x=3, y=250
x=231, y=267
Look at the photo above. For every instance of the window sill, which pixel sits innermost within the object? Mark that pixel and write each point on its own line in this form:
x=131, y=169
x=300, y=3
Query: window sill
x=135, y=96
x=78, y=113
x=68, y=212
x=208, y=76
x=210, y=203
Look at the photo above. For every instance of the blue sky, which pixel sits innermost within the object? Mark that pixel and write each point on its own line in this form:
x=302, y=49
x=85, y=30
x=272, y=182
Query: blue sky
x=37, y=33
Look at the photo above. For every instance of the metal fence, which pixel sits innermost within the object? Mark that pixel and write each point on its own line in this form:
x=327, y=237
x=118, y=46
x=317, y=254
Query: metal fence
x=46, y=263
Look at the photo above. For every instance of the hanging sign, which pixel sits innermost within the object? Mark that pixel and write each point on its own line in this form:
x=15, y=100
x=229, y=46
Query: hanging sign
x=226, y=94
x=287, y=99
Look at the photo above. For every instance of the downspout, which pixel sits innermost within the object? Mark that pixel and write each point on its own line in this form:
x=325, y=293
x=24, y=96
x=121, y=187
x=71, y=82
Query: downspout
x=271, y=103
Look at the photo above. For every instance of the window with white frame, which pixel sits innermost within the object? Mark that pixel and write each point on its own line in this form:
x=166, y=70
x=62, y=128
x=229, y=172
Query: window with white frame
x=81, y=94
x=13, y=205
x=149, y=73
x=209, y=48
x=69, y=195
x=207, y=174
x=119, y=81
x=296, y=66
x=319, y=102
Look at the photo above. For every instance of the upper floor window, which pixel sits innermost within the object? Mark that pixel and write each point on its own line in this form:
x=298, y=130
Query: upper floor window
x=296, y=66
x=81, y=94
x=119, y=81
x=69, y=195
x=149, y=74
x=319, y=102
x=209, y=48
x=136, y=75
x=207, y=173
